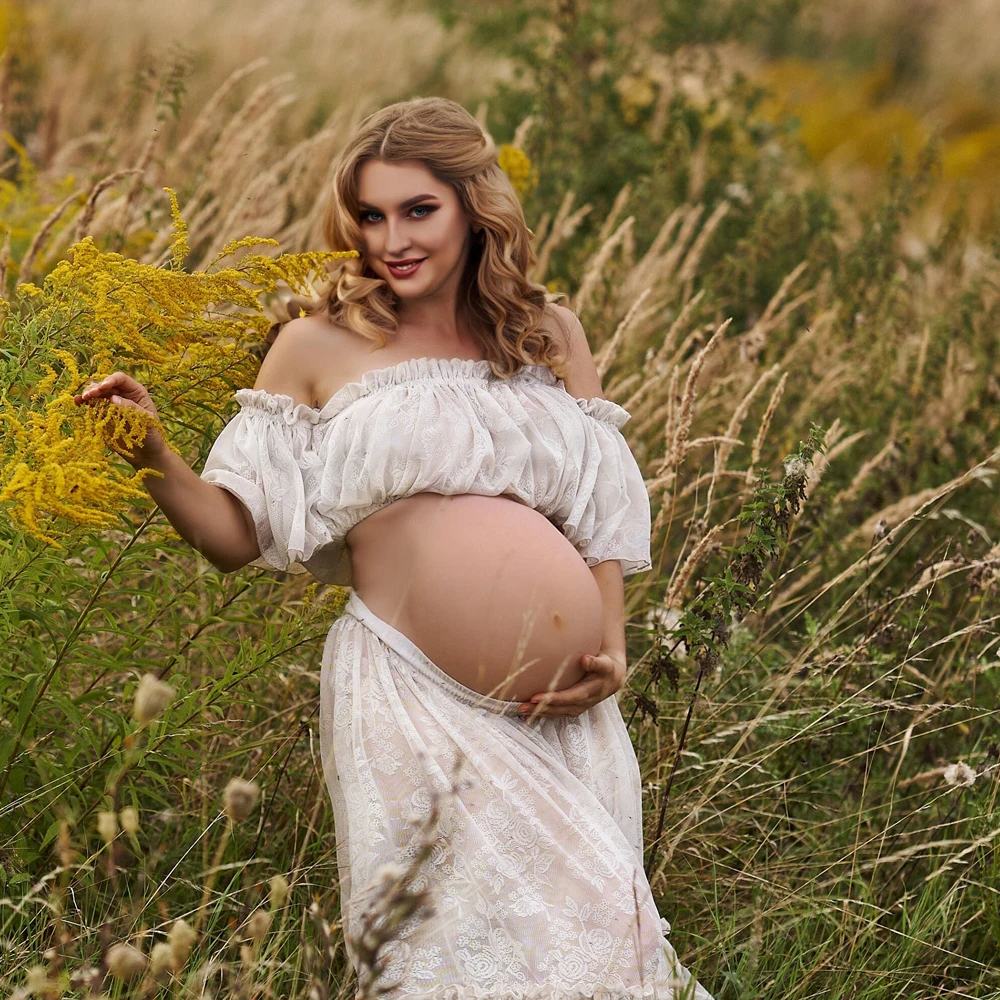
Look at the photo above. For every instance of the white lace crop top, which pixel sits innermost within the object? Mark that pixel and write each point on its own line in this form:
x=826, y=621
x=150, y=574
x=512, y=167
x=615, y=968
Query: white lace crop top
x=430, y=425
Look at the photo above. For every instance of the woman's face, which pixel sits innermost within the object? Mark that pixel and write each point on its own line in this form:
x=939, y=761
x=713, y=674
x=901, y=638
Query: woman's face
x=406, y=214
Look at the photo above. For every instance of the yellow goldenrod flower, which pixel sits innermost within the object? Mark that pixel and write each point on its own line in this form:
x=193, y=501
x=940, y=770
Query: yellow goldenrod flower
x=514, y=162
x=180, y=333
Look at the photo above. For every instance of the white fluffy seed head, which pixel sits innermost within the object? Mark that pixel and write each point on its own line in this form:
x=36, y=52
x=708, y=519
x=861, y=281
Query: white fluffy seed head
x=796, y=467
x=161, y=960
x=107, y=826
x=959, y=775
x=129, y=820
x=181, y=937
x=279, y=891
x=239, y=799
x=126, y=962
x=389, y=873
x=258, y=924
x=151, y=698
x=37, y=980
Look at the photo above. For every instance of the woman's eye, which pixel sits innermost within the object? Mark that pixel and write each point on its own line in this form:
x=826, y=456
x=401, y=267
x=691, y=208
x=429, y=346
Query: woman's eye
x=426, y=209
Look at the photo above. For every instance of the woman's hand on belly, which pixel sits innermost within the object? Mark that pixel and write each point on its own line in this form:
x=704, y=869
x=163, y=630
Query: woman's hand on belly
x=605, y=675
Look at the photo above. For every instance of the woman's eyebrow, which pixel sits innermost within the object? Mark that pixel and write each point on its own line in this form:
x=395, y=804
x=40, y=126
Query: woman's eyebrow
x=405, y=204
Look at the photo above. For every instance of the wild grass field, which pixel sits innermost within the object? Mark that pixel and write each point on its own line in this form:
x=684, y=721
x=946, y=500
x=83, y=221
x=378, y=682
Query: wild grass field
x=778, y=223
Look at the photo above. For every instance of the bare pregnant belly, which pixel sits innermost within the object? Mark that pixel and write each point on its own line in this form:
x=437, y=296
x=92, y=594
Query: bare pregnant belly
x=486, y=587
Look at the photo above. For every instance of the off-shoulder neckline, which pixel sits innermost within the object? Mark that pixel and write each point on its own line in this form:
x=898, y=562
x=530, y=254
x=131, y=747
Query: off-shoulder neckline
x=419, y=369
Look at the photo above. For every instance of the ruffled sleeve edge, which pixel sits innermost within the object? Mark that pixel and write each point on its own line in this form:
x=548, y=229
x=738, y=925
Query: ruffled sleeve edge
x=604, y=409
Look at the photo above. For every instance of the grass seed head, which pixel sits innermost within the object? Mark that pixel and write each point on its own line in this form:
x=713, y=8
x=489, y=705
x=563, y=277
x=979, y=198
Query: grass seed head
x=151, y=698
x=126, y=962
x=279, y=891
x=181, y=937
x=161, y=961
x=258, y=925
x=129, y=820
x=107, y=826
x=239, y=799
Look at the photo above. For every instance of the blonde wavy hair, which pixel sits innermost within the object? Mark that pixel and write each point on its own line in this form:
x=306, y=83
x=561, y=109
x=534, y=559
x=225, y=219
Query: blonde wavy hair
x=505, y=307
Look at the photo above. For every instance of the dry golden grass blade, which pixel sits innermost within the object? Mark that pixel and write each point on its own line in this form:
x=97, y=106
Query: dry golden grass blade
x=595, y=267
x=888, y=451
x=4, y=260
x=28, y=260
x=341, y=122
x=548, y=244
x=61, y=162
x=698, y=167
x=522, y=130
x=622, y=384
x=668, y=341
x=126, y=224
x=678, y=445
x=693, y=486
x=752, y=342
x=689, y=267
x=645, y=390
x=87, y=214
x=918, y=372
x=642, y=274
x=837, y=373
x=232, y=146
x=765, y=424
x=902, y=510
x=616, y=209
x=541, y=230
x=893, y=517
x=819, y=325
x=732, y=432
x=674, y=254
x=261, y=205
x=707, y=543
x=563, y=226
x=604, y=357
x=185, y=150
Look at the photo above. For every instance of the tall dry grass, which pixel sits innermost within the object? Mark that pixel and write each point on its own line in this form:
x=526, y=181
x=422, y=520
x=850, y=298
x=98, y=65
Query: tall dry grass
x=812, y=686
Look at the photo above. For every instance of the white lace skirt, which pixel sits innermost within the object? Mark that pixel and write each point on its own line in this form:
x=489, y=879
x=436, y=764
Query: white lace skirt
x=536, y=884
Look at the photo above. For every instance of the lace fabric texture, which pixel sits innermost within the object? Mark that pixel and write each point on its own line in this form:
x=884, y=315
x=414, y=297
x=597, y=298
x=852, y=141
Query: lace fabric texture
x=435, y=425
x=537, y=881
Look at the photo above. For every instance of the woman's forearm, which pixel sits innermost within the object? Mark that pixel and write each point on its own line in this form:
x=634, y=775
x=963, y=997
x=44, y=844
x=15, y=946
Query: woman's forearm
x=609, y=578
x=203, y=514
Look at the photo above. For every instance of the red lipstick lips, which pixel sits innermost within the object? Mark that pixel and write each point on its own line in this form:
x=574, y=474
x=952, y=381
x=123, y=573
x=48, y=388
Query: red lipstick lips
x=394, y=268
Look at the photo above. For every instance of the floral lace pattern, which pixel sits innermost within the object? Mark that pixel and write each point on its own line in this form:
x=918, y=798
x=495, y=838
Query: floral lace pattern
x=448, y=426
x=537, y=885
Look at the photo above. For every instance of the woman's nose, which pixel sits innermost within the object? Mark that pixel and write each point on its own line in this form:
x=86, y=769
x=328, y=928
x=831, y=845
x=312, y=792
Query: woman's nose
x=396, y=241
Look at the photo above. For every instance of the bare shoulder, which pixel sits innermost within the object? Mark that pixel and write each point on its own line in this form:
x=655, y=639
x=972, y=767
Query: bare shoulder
x=308, y=350
x=582, y=381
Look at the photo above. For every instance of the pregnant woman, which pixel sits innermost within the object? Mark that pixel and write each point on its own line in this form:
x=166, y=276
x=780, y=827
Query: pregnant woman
x=433, y=435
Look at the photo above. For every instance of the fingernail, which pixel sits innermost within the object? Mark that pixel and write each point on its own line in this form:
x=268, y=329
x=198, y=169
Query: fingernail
x=116, y=399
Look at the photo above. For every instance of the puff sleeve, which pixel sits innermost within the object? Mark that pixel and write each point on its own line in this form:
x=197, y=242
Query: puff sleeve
x=611, y=517
x=263, y=457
